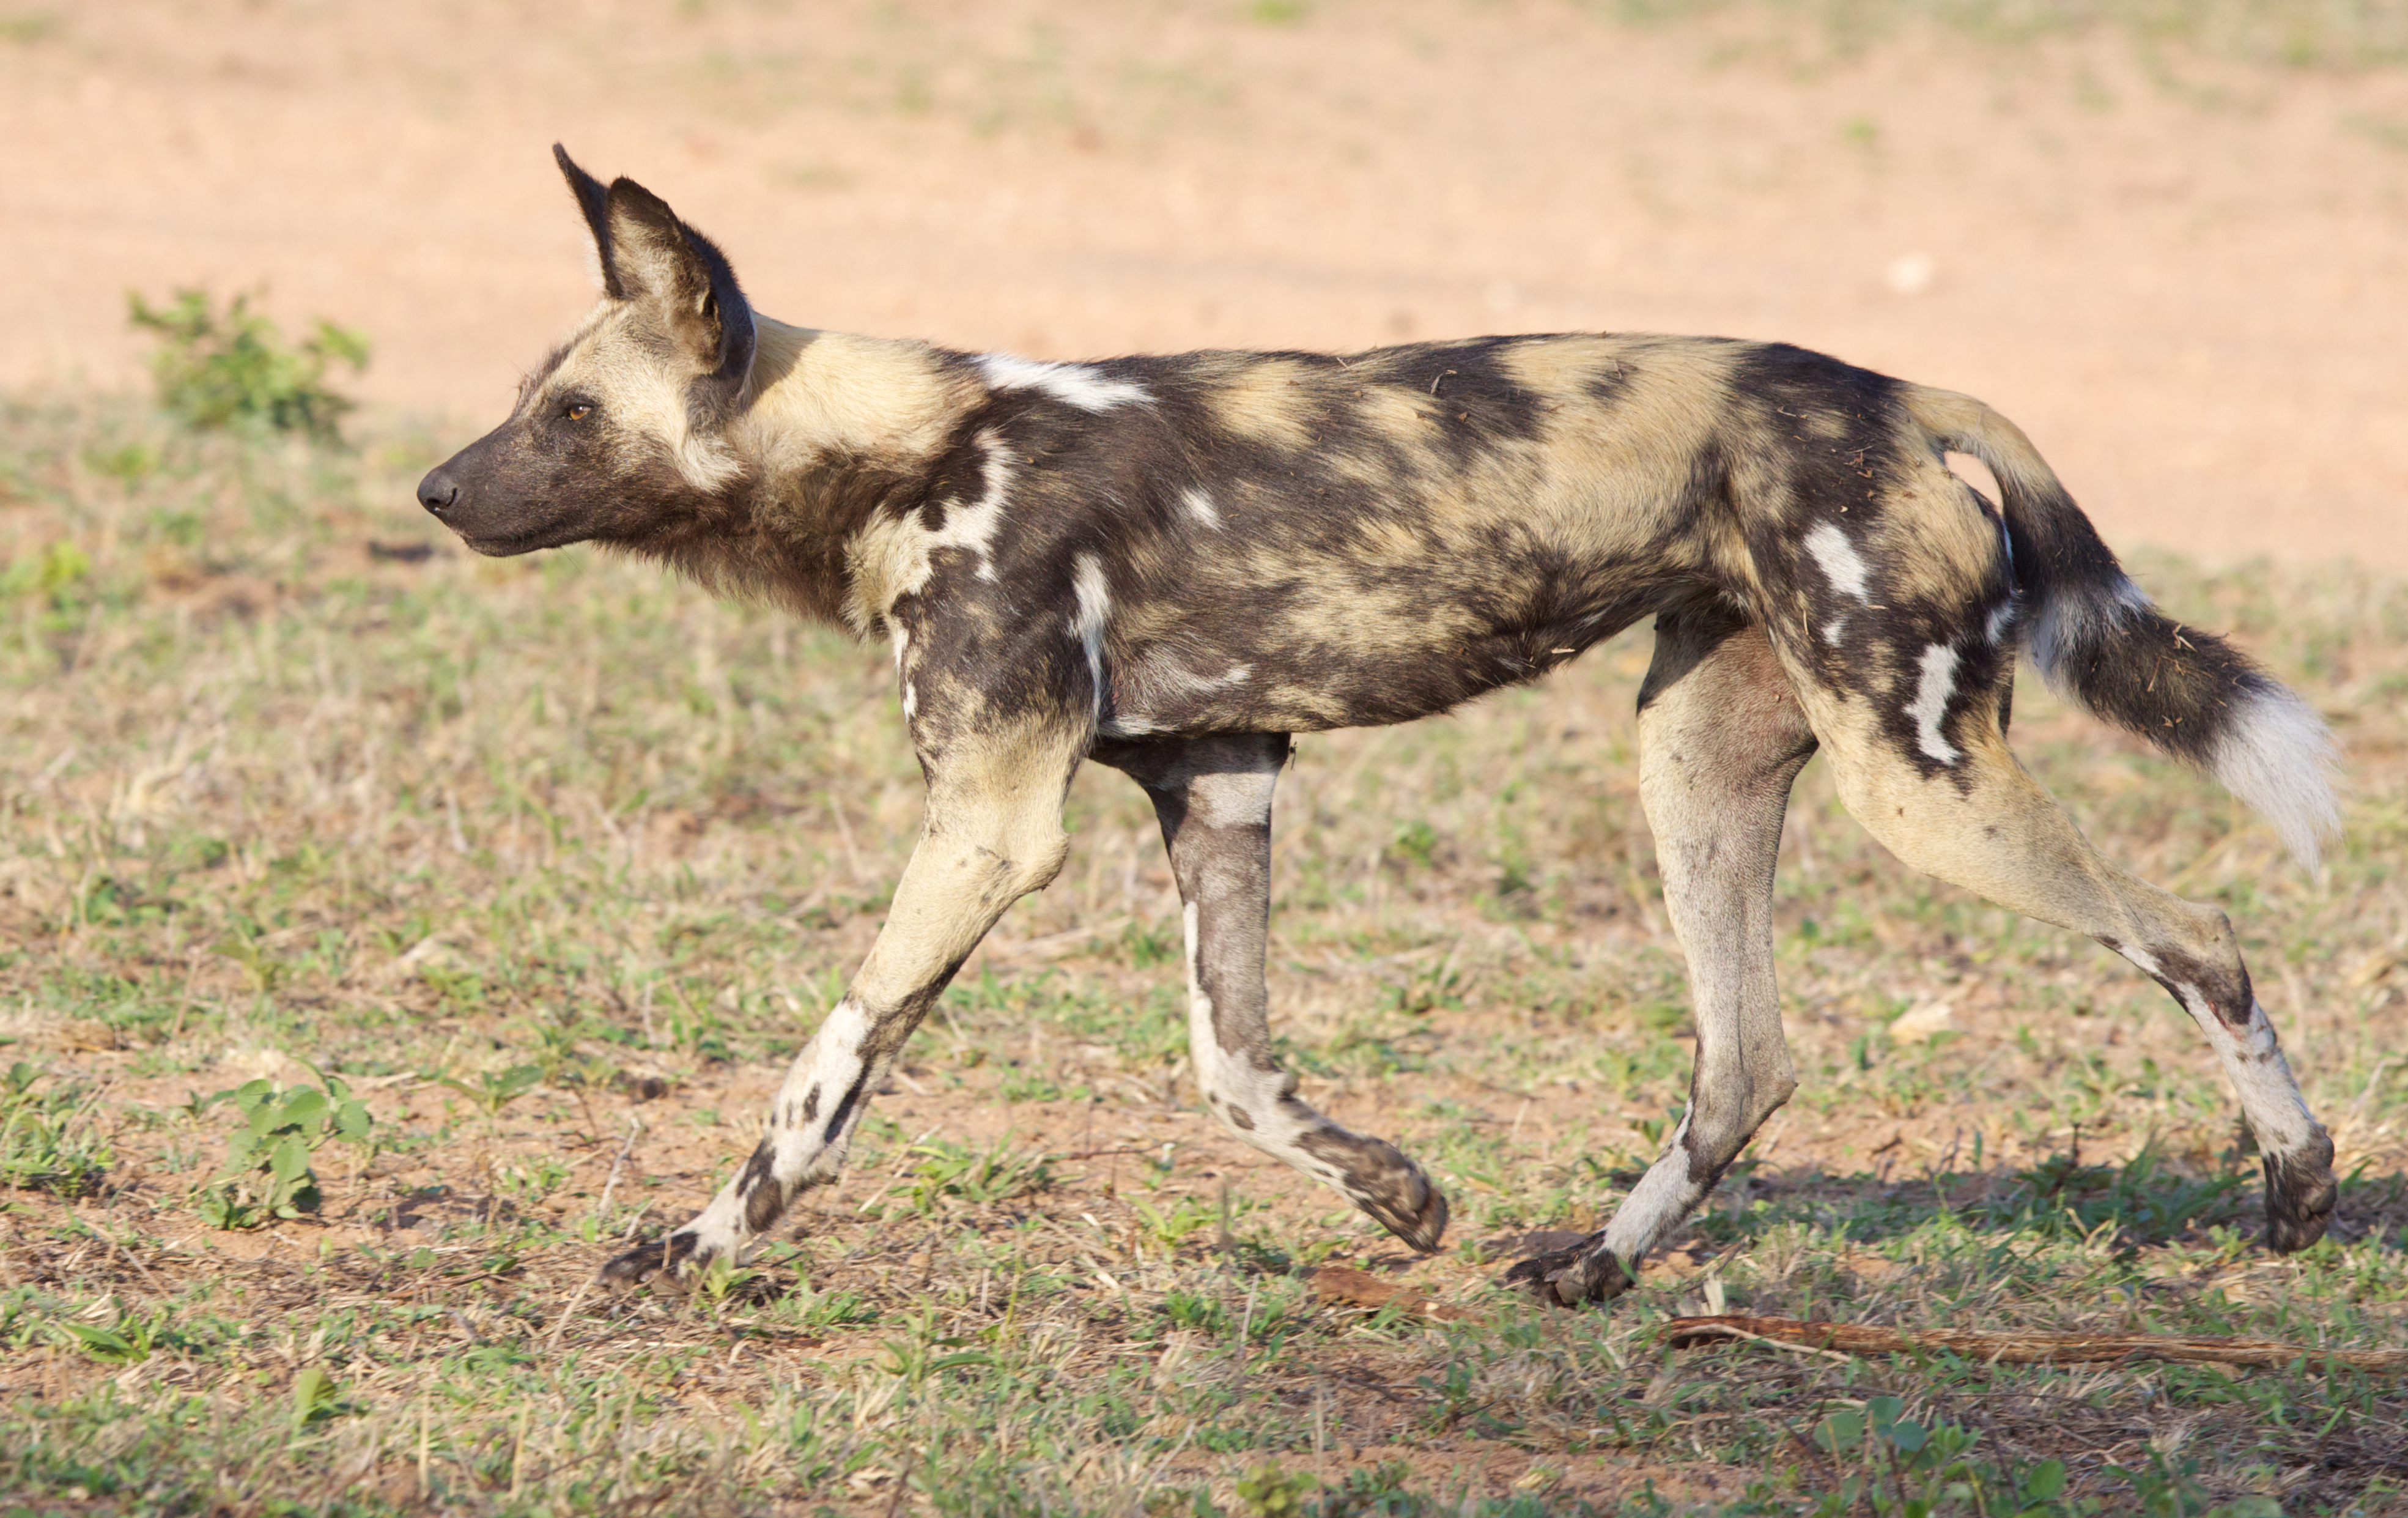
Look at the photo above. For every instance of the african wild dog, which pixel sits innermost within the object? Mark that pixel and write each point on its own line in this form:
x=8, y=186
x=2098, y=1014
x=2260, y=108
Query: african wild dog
x=1169, y=565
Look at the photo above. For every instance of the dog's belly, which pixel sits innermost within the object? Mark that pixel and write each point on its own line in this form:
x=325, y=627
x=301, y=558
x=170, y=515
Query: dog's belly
x=1307, y=658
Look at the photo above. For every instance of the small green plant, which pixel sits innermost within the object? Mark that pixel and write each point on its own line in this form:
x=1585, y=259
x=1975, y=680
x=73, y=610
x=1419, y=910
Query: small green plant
x=1269, y=1492
x=724, y=1282
x=812, y=1311
x=1196, y=1312
x=1384, y=1490
x=1429, y=990
x=53, y=575
x=44, y=1143
x=129, y=1341
x=267, y=1173
x=1173, y=1225
x=315, y=1397
x=923, y=1355
x=982, y=1178
x=2146, y=1201
x=2165, y=1491
x=229, y=367
x=1415, y=843
x=1903, y=1469
x=493, y=1090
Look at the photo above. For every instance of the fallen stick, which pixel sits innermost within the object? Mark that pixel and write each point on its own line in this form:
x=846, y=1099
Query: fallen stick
x=2016, y=1348
x=1343, y=1285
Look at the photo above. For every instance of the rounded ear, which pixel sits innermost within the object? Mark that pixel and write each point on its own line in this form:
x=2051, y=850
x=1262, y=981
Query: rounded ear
x=685, y=280
x=649, y=255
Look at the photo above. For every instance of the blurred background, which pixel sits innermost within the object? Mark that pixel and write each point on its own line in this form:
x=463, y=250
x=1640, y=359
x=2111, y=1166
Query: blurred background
x=2166, y=237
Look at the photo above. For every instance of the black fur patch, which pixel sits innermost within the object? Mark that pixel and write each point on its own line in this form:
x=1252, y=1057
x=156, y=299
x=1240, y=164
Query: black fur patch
x=1587, y=1272
x=2224, y=985
x=764, y=1198
x=666, y=1258
x=2300, y=1196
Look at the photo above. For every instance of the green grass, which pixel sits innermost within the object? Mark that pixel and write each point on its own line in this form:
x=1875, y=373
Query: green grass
x=552, y=862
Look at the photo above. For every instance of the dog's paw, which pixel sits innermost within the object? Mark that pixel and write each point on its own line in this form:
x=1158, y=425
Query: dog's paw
x=1587, y=1272
x=1401, y=1199
x=1409, y=1208
x=2300, y=1196
x=666, y=1262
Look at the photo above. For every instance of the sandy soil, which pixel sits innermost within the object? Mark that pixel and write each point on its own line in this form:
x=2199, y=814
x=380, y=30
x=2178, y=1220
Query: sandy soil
x=2186, y=282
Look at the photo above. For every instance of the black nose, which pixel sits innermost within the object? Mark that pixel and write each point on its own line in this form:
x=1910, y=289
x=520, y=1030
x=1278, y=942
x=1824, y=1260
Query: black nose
x=436, y=492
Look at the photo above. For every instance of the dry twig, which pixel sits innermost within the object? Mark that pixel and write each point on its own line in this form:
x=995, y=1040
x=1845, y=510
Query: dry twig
x=2016, y=1348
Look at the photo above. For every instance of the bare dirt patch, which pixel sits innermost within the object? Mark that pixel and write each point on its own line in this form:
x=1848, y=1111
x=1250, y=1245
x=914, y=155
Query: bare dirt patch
x=2180, y=270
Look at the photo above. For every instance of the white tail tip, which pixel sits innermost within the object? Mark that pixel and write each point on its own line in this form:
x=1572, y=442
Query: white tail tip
x=2277, y=756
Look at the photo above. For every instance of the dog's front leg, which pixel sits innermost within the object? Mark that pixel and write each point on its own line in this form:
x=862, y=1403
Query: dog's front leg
x=994, y=834
x=1213, y=799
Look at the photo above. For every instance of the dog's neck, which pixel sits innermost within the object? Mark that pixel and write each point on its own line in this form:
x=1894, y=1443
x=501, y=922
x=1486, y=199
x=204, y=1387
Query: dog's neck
x=837, y=425
x=819, y=394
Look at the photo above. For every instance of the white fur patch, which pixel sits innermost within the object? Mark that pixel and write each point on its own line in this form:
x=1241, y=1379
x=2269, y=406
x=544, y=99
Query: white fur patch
x=1199, y=505
x=1662, y=1199
x=973, y=527
x=1161, y=676
x=2003, y=617
x=1141, y=687
x=1239, y=800
x=2277, y=757
x=2141, y=957
x=846, y=1026
x=1231, y=1084
x=1930, y=703
x=1073, y=384
x=1095, y=606
x=2261, y=1077
x=1841, y=565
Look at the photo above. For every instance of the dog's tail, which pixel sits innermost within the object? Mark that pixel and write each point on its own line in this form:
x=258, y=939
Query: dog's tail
x=2098, y=641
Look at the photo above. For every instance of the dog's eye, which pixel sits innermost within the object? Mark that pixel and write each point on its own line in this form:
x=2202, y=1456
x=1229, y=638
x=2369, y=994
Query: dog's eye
x=577, y=411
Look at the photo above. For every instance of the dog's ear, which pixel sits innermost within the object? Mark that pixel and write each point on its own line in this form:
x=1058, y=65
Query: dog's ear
x=649, y=256
x=593, y=200
x=684, y=278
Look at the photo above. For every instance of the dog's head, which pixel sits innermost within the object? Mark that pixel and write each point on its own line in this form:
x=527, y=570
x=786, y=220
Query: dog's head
x=621, y=430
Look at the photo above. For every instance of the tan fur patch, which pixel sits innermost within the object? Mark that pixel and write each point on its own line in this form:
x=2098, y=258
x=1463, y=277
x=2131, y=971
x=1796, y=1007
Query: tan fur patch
x=614, y=360
x=1261, y=400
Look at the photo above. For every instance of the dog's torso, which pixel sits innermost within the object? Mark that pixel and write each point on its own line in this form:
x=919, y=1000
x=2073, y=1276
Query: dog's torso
x=1285, y=542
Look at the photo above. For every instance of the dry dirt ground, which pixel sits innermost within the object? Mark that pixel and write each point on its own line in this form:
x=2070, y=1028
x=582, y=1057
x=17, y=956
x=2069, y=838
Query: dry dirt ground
x=2181, y=270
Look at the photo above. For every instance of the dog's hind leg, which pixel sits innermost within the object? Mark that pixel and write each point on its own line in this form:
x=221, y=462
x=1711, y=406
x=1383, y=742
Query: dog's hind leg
x=1721, y=741
x=993, y=833
x=1214, y=799
x=1966, y=812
